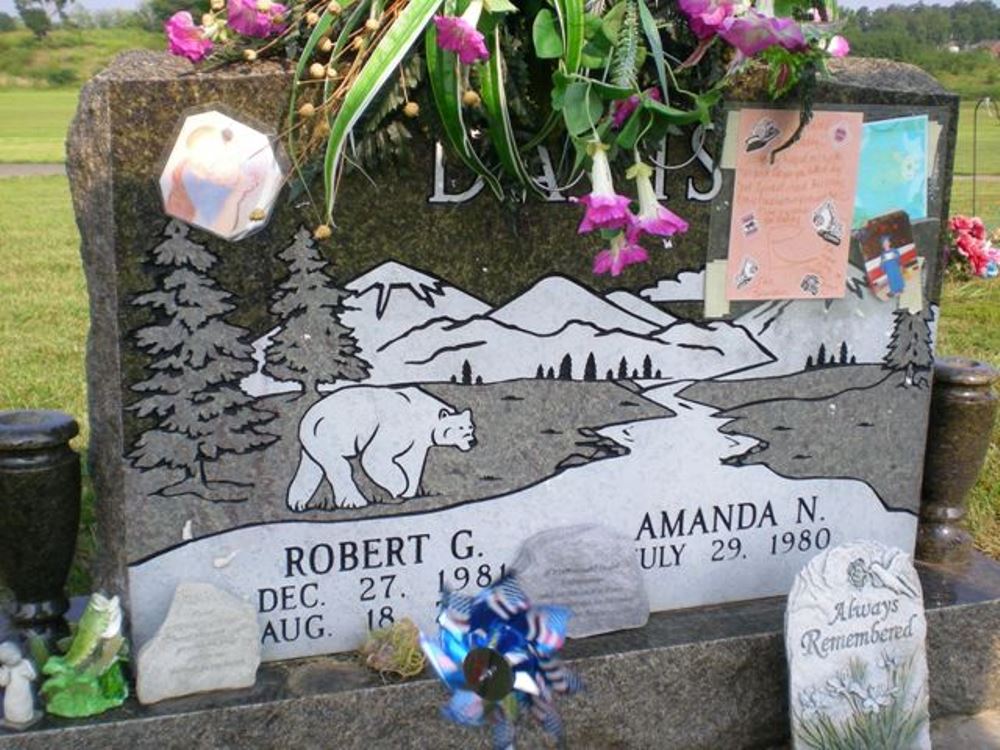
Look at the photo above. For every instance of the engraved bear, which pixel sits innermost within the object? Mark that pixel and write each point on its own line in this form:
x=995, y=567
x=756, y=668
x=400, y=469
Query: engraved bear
x=390, y=429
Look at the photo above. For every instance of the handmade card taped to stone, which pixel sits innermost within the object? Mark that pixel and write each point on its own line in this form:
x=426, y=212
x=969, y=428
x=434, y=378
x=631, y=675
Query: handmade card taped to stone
x=222, y=176
x=591, y=570
x=855, y=638
x=792, y=207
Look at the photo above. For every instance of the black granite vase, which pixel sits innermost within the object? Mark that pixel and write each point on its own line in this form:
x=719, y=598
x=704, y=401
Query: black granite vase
x=963, y=407
x=39, y=515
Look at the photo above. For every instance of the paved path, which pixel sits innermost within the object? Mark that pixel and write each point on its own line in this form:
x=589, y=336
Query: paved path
x=31, y=170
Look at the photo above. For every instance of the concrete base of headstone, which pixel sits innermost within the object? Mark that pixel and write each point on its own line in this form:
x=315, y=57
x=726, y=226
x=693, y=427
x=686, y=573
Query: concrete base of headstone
x=711, y=677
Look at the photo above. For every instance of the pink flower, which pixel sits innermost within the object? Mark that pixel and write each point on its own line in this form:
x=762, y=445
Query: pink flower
x=622, y=254
x=978, y=229
x=754, y=32
x=652, y=218
x=185, y=39
x=706, y=17
x=605, y=208
x=247, y=17
x=838, y=46
x=458, y=34
x=970, y=242
x=624, y=108
x=958, y=223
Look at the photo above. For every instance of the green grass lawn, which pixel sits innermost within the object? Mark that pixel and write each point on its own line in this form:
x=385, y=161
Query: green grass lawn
x=33, y=124
x=988, y=139
x=66, y=57
x=43, y=326
x=987, y=199
x=39, y=81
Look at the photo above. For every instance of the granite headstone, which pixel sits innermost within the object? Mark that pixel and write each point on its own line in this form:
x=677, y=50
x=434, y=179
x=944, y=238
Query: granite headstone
x=855, y=636
x=590, y=569
x=340, y=430
x=209, y=641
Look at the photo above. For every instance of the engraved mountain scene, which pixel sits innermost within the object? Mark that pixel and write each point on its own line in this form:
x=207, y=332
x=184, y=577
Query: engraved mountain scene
x=396, y=391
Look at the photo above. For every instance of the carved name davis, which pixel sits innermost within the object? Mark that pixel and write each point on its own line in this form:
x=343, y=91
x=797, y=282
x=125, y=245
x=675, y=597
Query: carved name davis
x=548, y=182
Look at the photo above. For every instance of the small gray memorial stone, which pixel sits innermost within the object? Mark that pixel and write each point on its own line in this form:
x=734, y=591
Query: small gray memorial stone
x=589, y=569
x=855, y=637
x=209, y=641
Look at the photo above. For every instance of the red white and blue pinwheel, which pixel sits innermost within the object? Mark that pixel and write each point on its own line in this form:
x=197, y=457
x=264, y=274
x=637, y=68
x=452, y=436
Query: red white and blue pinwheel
x=497, y=654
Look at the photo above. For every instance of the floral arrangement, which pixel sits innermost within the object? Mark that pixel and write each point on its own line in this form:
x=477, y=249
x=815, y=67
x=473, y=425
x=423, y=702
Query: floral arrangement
x=975, y=246
x=599, y=81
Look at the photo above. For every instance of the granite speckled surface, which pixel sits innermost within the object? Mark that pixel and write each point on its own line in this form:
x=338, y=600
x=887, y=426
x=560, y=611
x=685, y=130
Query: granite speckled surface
x=112, y=161
x=710, y=678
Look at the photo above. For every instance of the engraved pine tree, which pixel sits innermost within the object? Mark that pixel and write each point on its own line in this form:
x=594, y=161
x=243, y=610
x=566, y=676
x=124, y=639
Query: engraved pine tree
x=198, y=360
x=313, y=346
x=910, y=348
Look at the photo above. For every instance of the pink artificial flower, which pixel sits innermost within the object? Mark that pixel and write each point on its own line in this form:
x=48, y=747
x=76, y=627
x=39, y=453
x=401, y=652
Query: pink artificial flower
x=969, y=235
x=754, y=32
x=246, y=17
x=958, y=223
x=458, y=34
x=185, y=39
x=978, y=229
x=624, y=108
x=652, y=218
x=605, y=208
x=838, y=46
x=622, y=254
x=705, y=17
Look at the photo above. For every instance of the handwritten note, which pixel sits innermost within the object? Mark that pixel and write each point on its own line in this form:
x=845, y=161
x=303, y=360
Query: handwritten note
x=791, y=218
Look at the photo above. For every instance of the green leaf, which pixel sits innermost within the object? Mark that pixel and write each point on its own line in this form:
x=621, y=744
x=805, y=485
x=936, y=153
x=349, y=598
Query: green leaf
x=593, y=62
x=571, y=20
x=701, y=112
x=630, y=132
x=548, y=41
x=381, y=64
x=491, y=74
x=609, y=91
x=446, y=88
x=655, y=47
x=611, y=22
x=500, y=6
x=559, y=83
x=319, y=30
x=581, y=108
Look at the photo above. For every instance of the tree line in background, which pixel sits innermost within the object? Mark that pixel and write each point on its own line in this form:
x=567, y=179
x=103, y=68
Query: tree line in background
x=41, y=16
x=884, y=30
x=940, y=39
